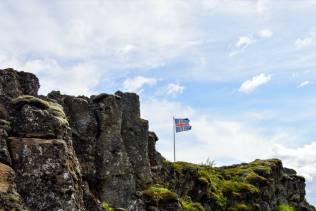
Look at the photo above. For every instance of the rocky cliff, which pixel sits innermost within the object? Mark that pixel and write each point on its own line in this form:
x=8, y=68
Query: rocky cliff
x=60, y=152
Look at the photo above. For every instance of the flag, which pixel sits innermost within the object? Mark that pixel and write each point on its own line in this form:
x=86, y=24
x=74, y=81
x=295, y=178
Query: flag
x=182, y=124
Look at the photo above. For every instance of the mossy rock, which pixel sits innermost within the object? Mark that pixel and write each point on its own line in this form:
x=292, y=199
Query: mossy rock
x=240, y=207
x=238, y=188
x=30, y=100
x=188, y=205
x=159, y=193
x=51, y=107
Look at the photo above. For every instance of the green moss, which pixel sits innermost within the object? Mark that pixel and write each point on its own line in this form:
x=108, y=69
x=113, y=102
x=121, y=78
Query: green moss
x=188, y=205
x=254, y=178
x=225, y=184
x=237, y=188
x=158, y=193
x=58, y=112
x=179, y=166
x=208, y=176
x=285, y=207
x=239, y=207
x=9, y=197
x=255, y=172
x=219, y=198
x=106, y=207
x=31, y=100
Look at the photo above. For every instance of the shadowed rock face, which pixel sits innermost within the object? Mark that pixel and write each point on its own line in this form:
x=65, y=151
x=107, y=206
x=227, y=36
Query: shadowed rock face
x=135, y=135
x=61, y=152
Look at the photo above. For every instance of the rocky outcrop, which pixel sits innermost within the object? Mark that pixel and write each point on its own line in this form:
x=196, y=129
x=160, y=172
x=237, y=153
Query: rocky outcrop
x=61, y=152
x=48, y=176
x=135, y=136
x=36, y=142
x=261, y=185
x=14, y=83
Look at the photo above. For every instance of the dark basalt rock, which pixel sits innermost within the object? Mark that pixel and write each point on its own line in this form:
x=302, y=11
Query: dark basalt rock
x=48, y=175
x=135, y=136
x=84, y=130
x=14, y=83
x=4, y=152
x=114, y=175
x=61, y=152
x=32, y=121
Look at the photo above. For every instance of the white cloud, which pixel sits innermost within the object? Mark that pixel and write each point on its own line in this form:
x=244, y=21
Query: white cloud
x=265, y=33
x=75, y=79
x=174, y=88
x=304, y=42
x=304, y=83
x=126, y=50
x=252, y=84
x=261, y=7
x=137, y=83
x=302, y=159
x=244, y=42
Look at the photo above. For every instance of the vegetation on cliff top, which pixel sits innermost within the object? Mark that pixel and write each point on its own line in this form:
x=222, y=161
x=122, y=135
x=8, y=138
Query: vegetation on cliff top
x=158, y=193
x=236, y=183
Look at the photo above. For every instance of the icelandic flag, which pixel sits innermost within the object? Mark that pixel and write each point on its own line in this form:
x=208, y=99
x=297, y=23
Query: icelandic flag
x=182, y=124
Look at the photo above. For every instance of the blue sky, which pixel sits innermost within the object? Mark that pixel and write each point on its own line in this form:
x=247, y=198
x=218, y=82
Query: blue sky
x=242, y=71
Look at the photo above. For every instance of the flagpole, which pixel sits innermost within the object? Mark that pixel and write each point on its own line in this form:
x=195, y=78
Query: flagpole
x=174, y=141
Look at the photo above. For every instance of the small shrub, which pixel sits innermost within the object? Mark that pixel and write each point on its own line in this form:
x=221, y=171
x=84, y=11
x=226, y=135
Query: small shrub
x=208, y=162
